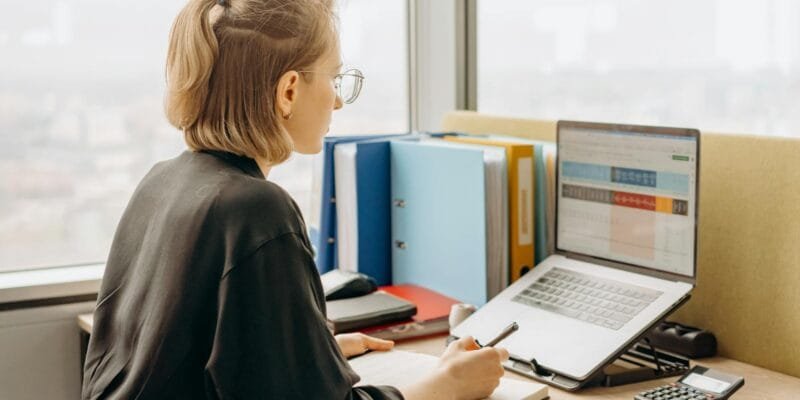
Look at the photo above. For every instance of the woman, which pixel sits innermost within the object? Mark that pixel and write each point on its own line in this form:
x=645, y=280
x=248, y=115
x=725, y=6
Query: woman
x=210, y=289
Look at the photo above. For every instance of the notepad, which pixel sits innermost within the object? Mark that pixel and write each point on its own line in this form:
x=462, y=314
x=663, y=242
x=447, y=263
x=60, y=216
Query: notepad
x=401, y=368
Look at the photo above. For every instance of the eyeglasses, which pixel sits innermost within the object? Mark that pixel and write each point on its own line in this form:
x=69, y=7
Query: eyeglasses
x=348, y=84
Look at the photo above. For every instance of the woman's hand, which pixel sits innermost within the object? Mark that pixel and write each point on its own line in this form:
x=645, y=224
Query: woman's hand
x=353, y=344
x=465, y=372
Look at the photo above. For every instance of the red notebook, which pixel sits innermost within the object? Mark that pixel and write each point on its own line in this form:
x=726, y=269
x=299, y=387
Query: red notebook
x=433, y=311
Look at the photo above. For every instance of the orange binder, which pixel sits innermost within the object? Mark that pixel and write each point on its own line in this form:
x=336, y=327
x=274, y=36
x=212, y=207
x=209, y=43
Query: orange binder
x=520, y=195
x=549, y=152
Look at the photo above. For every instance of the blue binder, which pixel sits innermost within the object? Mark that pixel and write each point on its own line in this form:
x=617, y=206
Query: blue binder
x=373, y=231
x=439, y=219
x=324, y=238
x=374, y=210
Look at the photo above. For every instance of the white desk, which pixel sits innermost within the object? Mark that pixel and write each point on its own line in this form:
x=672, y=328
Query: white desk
x=760, y=383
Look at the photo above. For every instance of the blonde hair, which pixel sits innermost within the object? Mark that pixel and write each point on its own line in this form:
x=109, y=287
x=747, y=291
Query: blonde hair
x=224, y=62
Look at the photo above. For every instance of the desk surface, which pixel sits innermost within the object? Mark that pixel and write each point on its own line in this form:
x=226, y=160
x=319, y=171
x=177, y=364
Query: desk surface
x=85, y=322
x=760, y=383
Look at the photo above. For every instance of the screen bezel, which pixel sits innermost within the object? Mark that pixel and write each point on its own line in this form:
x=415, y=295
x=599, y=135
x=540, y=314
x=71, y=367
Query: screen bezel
x=639, y=129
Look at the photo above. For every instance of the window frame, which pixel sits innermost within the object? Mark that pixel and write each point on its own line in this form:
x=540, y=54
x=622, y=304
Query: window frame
x=442, y=67
x=442, y=77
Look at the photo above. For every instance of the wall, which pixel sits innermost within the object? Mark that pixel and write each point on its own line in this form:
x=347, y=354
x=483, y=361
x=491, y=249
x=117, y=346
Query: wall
x=40, y=353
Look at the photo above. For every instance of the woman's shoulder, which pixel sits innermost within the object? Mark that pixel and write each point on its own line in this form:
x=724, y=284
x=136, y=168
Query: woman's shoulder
x=258, y=205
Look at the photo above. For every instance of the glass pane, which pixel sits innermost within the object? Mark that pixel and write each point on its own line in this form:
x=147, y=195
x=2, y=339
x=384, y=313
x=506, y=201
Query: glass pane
x=718, y=65
x=81, y=119
x=374, y=39
x=81, y=88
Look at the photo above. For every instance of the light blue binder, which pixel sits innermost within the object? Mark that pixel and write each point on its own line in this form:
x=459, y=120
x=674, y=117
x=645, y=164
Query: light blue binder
x=540, y=204
x=439, y=219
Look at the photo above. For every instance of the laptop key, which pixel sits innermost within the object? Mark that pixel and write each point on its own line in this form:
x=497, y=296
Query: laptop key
x=588, y=298
x=612, y=324
x=558, y=309
x=620, y=317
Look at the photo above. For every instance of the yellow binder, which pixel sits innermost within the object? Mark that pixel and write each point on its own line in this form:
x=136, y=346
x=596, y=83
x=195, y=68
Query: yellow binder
x=520, y=195
x=549, y=152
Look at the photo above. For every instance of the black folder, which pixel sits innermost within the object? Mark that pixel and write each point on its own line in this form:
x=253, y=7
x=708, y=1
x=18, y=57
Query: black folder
x=364, y=311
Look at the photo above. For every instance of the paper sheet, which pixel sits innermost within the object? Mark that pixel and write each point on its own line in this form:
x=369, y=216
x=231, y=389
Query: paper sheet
x=400, y=368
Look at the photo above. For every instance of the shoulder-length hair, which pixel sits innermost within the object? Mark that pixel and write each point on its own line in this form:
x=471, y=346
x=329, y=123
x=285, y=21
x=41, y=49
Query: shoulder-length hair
x=224, y=62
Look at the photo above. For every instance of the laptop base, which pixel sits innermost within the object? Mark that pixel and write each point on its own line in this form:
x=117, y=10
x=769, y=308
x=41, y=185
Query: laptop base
x=640, y=361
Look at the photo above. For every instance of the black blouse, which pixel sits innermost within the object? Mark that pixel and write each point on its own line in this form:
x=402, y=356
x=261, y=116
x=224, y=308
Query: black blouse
x=210, y=292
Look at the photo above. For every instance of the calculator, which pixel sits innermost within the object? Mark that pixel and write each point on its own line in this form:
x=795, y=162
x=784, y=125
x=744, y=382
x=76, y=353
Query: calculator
x=699, y=383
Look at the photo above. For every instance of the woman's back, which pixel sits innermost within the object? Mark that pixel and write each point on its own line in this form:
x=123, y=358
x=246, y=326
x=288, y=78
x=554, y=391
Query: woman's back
x=191, y=222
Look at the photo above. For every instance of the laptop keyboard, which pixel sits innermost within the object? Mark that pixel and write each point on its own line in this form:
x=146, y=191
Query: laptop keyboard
x=587, y=298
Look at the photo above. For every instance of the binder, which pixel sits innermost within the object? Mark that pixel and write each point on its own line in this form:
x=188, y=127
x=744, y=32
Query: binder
x=363, y=207
x=520, y=195
x=550, y=164
x=545, y=197
x=543, y=202
x=442, y=238
x=323, y=230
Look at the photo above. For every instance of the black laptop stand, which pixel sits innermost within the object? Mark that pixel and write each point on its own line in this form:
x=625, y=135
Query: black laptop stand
x=642, y=362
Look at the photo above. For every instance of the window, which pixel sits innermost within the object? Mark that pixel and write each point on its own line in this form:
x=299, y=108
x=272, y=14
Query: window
x=374, y=39
x=81, y=120
x=719, y=65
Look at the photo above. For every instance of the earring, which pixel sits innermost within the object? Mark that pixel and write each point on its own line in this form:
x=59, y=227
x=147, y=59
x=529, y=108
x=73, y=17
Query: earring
x=288, y=116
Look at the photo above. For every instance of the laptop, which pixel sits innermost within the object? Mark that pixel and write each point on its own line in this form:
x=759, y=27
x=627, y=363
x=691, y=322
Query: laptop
x=625, y=251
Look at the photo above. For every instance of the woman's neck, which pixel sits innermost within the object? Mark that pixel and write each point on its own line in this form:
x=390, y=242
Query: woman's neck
x=264, y=166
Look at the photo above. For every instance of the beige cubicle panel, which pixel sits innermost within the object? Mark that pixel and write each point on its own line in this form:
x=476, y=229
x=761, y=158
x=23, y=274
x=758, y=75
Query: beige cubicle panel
x=748, y=290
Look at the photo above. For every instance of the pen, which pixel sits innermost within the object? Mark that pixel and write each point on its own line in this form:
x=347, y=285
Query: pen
x=503, y=334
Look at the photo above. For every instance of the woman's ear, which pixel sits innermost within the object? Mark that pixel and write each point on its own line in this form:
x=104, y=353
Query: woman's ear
x=286, y=95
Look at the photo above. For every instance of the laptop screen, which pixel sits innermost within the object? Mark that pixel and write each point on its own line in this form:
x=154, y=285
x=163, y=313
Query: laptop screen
x=628, y=194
